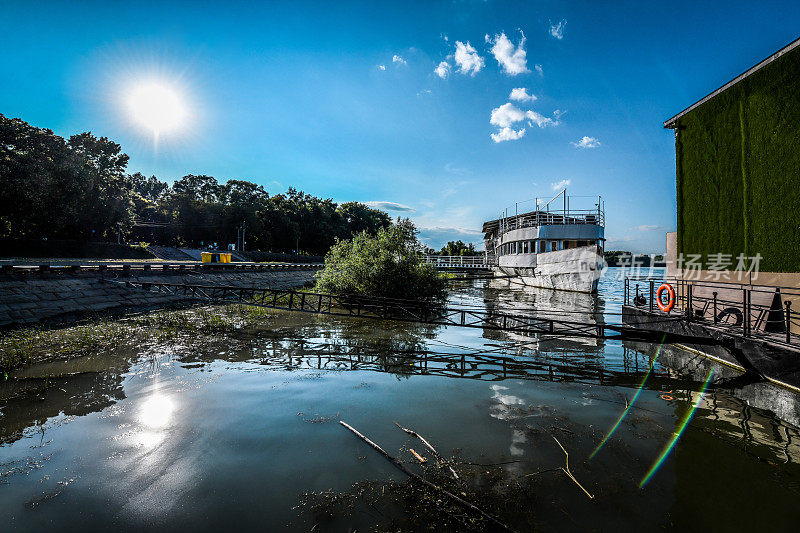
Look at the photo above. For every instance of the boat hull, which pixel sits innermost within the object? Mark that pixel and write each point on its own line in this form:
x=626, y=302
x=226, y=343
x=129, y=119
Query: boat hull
x=575, y=269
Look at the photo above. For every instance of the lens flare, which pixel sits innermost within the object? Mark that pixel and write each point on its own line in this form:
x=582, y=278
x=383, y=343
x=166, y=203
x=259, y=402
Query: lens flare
x=630, y=404
x=677, y=434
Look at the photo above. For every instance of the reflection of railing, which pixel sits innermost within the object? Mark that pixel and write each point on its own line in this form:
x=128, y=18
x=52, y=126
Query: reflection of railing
x=554, y=366
x=461, y=261
x=723, y=304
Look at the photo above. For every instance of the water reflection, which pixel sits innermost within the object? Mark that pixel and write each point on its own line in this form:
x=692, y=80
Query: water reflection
x=156, y=411
x=228, y=430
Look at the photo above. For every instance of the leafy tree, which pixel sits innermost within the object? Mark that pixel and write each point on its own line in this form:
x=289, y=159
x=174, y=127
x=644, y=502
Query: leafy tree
x=50, y=187
x=459, y=248
x=388, y=264
x=79, y=189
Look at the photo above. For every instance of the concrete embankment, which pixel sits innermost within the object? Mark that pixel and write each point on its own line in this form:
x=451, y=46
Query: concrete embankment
x=50, y=294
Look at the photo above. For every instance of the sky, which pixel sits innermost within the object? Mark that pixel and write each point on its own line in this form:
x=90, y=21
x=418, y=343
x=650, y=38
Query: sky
x=445, y=112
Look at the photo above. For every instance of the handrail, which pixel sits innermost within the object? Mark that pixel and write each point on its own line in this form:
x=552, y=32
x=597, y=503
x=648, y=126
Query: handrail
x=755, y=318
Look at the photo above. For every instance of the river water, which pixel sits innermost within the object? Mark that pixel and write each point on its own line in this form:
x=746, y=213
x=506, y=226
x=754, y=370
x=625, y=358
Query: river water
x=240, y=431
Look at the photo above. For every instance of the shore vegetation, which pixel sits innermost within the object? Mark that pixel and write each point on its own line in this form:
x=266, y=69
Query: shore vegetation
x=388, y=264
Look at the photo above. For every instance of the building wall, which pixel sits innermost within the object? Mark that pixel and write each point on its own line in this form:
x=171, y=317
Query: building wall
x=738, y=170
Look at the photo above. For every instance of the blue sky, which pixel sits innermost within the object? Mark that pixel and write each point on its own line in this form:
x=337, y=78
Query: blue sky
x=310, y=95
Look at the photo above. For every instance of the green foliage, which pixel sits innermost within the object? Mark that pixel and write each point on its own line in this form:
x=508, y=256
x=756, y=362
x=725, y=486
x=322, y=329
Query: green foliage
x=52, y=187
x=388, y=264
x=738, y=170
x=459, y=247
x=55, y=188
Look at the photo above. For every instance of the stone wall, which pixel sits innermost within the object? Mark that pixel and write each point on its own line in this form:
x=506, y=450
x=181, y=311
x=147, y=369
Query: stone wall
x=63, y=296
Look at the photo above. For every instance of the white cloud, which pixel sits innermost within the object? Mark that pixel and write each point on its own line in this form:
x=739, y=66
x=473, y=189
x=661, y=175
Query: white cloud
x=381, y=67
x=543, y=121
x=511, y=59
x=506, y=115
x=648, y=227
x=443, y=70
x=390, y=206
x=586, y=142
x=539, y=69
x=557, y=30
x=508, y=134
x=424, y=92
x=397, y=59
x=467, y=59
x=520, y=94
x=626, y=238
x=557, y=186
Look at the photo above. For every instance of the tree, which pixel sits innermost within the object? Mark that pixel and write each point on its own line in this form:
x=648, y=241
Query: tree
x=50, y=187
x=388, y=264
x=459, y=248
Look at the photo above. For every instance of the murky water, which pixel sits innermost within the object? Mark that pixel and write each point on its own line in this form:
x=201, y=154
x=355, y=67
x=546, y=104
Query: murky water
x=230, y=433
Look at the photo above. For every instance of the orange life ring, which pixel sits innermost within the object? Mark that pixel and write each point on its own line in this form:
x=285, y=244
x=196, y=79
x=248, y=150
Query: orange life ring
x=670, y=292
x=667, y=397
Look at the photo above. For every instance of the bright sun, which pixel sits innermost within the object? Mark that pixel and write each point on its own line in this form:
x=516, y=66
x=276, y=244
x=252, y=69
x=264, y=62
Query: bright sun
x=157, y=107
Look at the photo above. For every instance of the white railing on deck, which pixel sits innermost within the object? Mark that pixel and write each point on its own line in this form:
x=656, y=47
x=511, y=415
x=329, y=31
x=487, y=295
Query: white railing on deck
x=460, y=260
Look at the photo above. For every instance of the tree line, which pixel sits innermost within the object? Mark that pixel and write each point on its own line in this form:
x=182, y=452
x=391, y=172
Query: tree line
x=79, y=188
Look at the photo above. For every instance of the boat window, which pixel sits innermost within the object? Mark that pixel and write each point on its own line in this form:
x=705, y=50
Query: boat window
x=525, y=247
x=542, y=247
x=560, y=245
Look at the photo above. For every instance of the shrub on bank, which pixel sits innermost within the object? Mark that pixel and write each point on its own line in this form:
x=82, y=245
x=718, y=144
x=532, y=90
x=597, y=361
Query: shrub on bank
x=388, y=264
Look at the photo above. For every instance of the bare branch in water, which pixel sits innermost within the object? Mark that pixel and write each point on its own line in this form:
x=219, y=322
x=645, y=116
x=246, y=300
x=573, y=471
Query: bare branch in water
x=397, y=464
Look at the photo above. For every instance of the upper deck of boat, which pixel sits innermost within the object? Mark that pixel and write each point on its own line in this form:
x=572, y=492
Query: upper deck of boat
x=531, y=219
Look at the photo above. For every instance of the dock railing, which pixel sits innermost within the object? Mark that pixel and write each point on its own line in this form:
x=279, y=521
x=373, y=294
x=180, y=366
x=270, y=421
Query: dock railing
x=753, y=309
x=461, y=261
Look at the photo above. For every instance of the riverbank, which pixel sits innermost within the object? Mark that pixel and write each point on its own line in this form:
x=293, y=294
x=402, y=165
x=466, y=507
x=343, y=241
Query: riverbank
x=64, y=294
x=35, y=345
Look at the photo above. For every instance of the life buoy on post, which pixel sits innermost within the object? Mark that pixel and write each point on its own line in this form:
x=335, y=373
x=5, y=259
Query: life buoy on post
x=670, y=292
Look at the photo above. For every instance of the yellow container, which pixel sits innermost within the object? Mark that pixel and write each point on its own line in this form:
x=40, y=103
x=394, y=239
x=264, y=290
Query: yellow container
x=225, y=258
x=206, y=257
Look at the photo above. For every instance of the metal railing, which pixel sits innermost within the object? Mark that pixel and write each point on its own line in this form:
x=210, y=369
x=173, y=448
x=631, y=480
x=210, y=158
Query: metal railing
x=401, y=310
x=723, y=304
x=461, y=261
x=154, y=267
x=560, y=217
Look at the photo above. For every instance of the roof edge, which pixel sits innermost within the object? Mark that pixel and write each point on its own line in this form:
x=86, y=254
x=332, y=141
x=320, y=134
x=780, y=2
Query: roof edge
x=670, y=122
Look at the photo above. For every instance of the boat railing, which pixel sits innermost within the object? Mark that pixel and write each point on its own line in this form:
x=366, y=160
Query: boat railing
x=544, y=218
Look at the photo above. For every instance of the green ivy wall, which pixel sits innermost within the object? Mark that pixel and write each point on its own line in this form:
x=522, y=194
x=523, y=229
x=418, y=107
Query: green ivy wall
x=738, y=170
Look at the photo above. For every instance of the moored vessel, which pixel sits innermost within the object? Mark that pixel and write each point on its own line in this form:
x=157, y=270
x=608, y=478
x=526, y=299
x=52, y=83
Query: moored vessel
x=558, y=245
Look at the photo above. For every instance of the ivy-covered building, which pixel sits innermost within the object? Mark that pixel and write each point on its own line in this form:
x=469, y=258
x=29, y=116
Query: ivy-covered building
x=738, y=170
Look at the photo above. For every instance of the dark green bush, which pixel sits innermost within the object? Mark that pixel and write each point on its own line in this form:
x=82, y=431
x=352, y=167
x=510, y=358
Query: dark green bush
x=388, y=264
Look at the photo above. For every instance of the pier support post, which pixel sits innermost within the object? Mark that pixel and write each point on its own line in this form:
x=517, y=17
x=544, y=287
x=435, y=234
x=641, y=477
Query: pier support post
x=715, y=308
x=788, y=322
x=744, y=312
x=651, y=295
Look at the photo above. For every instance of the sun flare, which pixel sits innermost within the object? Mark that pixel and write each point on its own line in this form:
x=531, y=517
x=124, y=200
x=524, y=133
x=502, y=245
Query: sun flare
x=157, y=107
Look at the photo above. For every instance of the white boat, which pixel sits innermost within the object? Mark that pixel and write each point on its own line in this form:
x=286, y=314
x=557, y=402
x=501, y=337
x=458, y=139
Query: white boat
x=551, y=248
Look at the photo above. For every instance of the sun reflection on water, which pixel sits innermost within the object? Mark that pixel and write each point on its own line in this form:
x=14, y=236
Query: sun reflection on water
x=156, y=411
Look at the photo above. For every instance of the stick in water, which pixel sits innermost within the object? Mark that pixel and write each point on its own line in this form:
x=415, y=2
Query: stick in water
x=429, y=446
x=568, y=472
x=397, y=464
